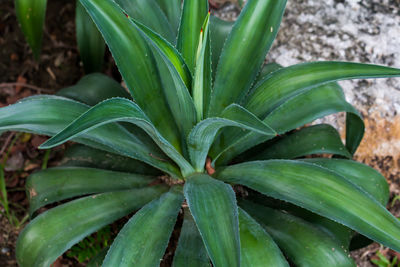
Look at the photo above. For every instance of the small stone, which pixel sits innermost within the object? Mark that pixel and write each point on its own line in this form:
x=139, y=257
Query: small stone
x=5, y=250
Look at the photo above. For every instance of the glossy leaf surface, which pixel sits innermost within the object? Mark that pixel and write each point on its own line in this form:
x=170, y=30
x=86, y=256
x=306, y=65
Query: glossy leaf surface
x=170, y=52
x=127, y=45
x=219, y=31
x=49, y=115
x=303, y=243
x=365, y=177
x=300, y=183
x=257, y=248
x=203, y=134
x=172, y=9
x=55, y=231
x=90, y=42
x=144, y=238
x=31, y=15
x=190, y=250
x=287, y=82
x=317, y=139
x=249, y=41
x=150, y=14
x=213, y=206
x=193, y=16
x=55, y=184
x=296, y=112
x=114, y=110
x=83, y=156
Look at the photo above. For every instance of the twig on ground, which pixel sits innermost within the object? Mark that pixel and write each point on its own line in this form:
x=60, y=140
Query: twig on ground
x=6, y=143
x=33, y=87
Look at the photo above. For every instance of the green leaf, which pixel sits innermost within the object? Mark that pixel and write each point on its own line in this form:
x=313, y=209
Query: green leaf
x=97, y=260
x=144, y=238
x=219, y=31
x=53, y=232
x=90, y=42
x=297, y=111
x=257, y=248
x=176, y=93
x=202, y=136
x=94, y=88
x=287, y=82
x=244, y=51
x=150, y=14
x=55, y=184
x=170, y=52
x=363, y=176
x=172, y=9
x=136, y=63
x=115, y=110
x=213, y=206
x=201, y=89
x=190, y=250
x=31, y=15
x=300, y=183
x=303, y=243
x=83, y=156
x=193, y=15
x=342, y=234
x=317, y=139
x=49, y=115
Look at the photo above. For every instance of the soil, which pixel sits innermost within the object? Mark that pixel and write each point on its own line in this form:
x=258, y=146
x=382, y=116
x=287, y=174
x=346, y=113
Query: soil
x=59, y=66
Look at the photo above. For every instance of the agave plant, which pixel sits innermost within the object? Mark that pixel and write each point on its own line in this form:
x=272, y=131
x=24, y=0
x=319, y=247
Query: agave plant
x=210, y=131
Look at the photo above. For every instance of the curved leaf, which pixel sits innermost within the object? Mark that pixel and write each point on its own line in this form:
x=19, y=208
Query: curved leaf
x=170, y=52
x=365, y=177
x=219, y=31
x=203, y=134
x=55, y=184
x=193, y=15
x=114, y=110
x=53, y=232
x=300, y=183
x=150, y=14
x=190, y=250
x=340, y=233
x=172, y=9
x=201, y=89
x=136, y=63
x=175, y=91
x=49, y=115
x=317, y=139
x=94, y=88
x=297, y=111
x=31, y=15
x=287, y=82
x=213, y=206
x=303, y=243
x=257, y=248
x=249, y=42
x=84, y=156
x=144, y=238
x=90, y=42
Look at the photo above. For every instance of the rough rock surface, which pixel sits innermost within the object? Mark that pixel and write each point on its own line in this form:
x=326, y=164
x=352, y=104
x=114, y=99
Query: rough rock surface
x=366, y=31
